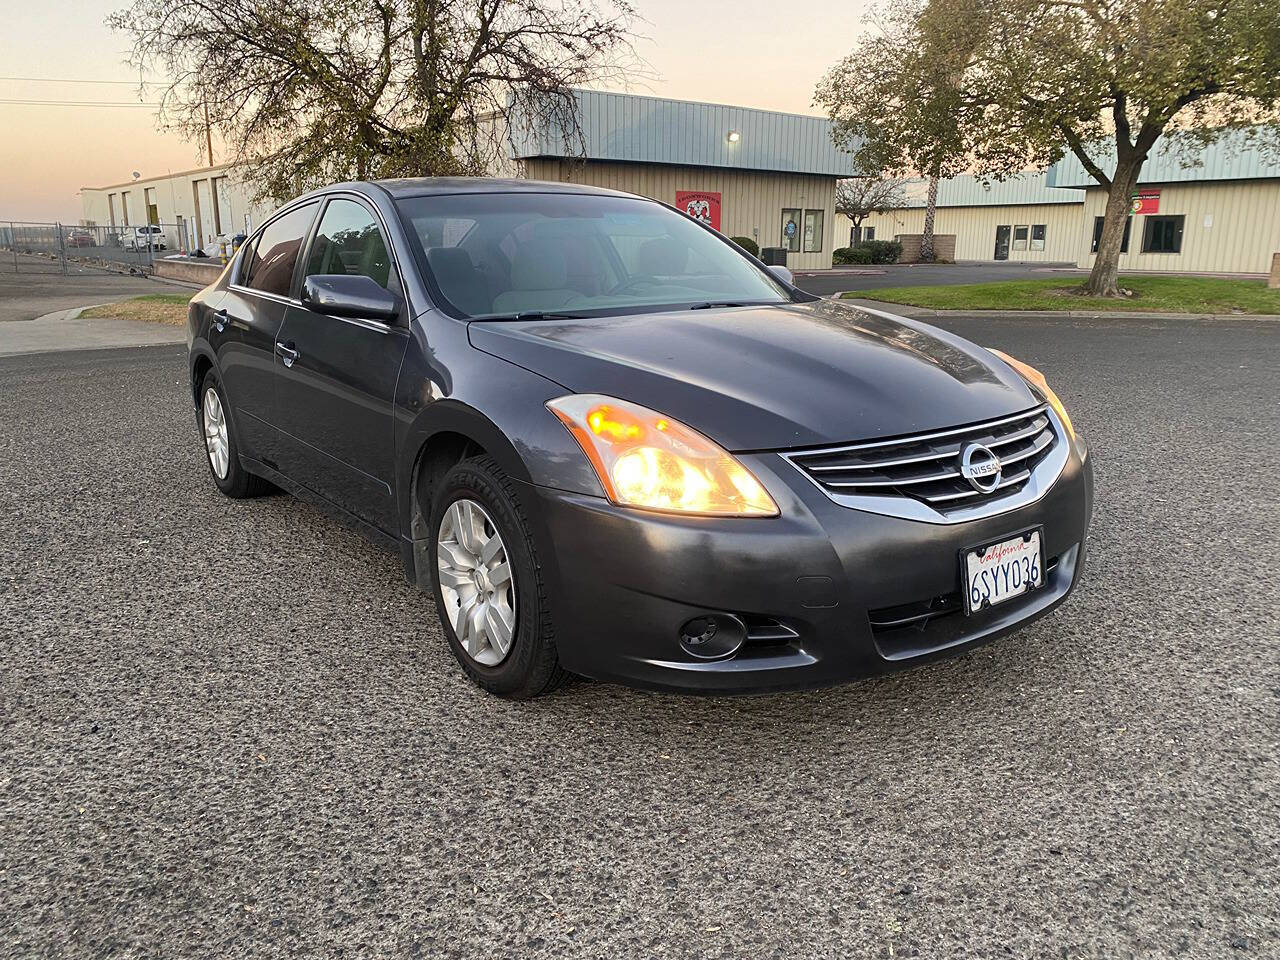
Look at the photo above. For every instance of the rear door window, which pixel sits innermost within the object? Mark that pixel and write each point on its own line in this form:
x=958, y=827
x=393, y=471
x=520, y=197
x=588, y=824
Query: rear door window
x=275, y=254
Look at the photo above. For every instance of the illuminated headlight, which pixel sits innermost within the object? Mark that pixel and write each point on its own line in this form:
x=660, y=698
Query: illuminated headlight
x=644, y=459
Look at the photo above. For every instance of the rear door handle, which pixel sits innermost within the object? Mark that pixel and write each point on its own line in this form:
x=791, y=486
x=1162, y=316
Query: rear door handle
x=287, y=352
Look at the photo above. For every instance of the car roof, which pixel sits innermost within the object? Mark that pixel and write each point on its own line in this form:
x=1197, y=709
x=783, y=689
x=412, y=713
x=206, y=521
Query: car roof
x=440, y=186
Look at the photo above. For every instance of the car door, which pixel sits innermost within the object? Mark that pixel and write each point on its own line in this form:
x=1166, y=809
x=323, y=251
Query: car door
x=246, y=322
x=336, y=378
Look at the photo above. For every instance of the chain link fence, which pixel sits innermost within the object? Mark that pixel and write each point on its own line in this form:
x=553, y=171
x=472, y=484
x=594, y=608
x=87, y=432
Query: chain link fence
x=58, y=248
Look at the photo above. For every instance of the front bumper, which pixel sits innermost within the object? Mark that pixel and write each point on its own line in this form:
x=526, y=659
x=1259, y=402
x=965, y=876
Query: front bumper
x=828, y=593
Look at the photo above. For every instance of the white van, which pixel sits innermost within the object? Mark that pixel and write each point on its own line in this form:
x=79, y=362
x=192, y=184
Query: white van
x=142, y=238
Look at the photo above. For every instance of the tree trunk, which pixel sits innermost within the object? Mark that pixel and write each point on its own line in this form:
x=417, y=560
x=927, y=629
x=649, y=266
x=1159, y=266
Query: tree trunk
x=857, y=229
x=1104, y=278
x=930, y=211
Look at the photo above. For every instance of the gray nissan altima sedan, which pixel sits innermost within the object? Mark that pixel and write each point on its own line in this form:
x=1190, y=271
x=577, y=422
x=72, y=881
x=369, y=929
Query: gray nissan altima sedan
x=607, y=441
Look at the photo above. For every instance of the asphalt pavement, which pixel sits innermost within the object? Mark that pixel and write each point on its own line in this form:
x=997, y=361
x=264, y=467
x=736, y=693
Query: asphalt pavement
x=826, y=282
x=231, y=729
x=26, y=295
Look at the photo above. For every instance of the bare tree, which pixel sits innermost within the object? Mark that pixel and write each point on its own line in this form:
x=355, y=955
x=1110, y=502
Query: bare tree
x=306, y=92
x=861, y=197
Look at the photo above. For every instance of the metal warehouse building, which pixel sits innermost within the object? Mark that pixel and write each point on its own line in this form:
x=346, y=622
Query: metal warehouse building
x=1019, y=219
x=1220, y=214
x=751, y=173
x=193, y=207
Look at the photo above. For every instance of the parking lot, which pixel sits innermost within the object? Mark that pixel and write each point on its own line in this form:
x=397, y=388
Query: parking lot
x=826, y=282
x=231, y=728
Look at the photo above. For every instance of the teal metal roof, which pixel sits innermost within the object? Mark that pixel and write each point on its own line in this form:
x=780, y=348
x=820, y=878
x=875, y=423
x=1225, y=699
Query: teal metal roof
x=638, y=129
x=1022, y=189
x=1232, y=157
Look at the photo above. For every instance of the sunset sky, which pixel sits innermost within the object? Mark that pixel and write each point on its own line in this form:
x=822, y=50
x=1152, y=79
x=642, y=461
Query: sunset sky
x=755, y=53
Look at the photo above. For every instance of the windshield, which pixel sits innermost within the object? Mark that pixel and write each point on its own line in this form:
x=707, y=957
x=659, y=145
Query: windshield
x=507, y=254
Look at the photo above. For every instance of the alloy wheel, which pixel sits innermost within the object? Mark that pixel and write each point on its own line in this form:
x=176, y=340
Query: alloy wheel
x=215, y=434
x=476, y=582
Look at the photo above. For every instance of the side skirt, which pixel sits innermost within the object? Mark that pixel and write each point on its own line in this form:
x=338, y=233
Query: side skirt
x=375, y=535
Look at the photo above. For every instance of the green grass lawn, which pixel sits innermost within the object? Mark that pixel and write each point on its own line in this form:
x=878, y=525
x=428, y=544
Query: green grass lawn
x=1157, y=294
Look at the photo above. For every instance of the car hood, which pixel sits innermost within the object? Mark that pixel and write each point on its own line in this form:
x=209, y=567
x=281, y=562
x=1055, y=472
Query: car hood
x=771, y=377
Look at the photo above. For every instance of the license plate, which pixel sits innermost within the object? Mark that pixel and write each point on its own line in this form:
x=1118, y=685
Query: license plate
x=1001, y=571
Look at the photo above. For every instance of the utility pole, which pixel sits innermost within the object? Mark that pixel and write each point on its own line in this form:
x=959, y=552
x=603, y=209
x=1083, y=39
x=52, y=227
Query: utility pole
x=208, y=136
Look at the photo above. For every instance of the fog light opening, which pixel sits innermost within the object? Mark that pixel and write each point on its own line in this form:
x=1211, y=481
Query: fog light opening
x=713, y=636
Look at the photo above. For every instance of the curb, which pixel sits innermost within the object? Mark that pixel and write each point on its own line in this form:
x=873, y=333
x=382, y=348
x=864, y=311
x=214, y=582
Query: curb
x=910, y=311
x=71, y=313
x=176, y=283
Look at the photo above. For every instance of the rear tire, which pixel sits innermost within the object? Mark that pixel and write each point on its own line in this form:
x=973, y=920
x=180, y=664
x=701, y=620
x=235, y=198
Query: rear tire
x=529, y=667
x=222, y=452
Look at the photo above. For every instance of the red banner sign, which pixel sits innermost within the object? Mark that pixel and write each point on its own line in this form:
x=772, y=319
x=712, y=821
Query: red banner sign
x=1146, y=200
x=700, y=205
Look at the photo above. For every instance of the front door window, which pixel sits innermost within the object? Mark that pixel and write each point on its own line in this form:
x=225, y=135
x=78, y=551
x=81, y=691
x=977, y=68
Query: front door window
x=349, y=241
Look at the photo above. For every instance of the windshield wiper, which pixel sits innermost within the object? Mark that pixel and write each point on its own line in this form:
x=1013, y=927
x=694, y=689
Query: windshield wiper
x=533, y=315
x=712, y=304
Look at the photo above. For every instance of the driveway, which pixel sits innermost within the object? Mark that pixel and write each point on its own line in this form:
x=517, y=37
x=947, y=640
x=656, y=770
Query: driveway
x=231, y=729
x=38, y=314
x=24, y=296
x=826, y=282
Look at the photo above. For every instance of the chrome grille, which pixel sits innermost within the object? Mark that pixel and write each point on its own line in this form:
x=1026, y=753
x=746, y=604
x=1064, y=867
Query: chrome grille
x=926, y=467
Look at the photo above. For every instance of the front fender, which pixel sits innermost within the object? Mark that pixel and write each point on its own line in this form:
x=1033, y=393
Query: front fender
x=448, y=386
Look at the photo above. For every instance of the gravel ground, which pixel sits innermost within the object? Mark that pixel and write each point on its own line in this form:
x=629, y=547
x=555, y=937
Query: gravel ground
x=231, y=728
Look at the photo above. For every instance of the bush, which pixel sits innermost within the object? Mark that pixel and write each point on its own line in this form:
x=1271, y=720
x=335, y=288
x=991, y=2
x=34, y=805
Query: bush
x=846, y=255
x=883, y=251
x=872, y=251
x=747, y=244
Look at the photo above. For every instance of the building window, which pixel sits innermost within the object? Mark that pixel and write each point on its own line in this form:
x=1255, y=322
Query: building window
x=813, y=231
x=1162, y=235
x=111, y=207
x=1037, y=236
x=1020, y=237
x=868, y=234
x=1097, y=234
x=791, y=229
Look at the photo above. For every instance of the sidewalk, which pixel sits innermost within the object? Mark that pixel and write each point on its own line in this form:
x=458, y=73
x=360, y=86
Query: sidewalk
x=64, y=330
x=923, y=313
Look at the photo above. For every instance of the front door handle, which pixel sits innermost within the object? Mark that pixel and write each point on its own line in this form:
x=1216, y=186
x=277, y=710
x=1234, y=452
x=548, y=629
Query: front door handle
x=287, y=352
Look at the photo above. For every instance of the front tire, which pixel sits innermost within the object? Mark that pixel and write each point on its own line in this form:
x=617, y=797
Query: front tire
x=221, y=449
x=488, y=585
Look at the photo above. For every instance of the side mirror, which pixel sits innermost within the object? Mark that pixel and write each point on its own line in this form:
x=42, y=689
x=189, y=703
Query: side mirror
x=782, y=273
x=344, y=295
